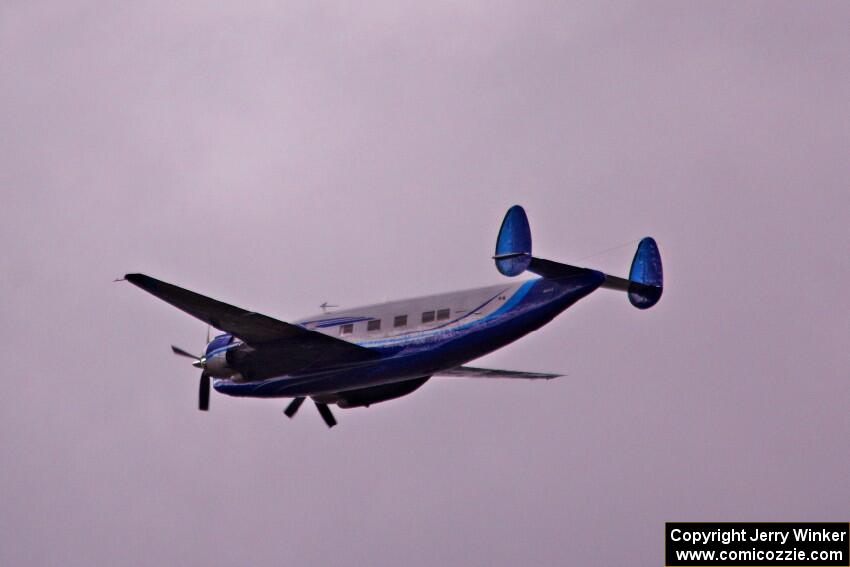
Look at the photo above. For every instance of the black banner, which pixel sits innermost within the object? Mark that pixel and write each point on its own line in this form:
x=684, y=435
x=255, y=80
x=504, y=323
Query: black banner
x=761, y=544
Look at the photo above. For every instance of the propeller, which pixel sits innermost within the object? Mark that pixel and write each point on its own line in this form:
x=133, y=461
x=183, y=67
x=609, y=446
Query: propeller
x=180, y=352
x=204, y=388
x=324, y=410
x=204, y=392
x=293, y=406
x=326, y=414
x=199, y=362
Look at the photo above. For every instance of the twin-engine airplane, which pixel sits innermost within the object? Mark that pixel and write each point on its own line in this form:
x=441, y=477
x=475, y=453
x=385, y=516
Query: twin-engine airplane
x=372, y=354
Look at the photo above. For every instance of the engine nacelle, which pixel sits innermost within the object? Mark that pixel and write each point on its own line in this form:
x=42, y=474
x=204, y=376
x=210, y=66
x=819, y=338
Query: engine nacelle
x=218, y=358
x=217, y=366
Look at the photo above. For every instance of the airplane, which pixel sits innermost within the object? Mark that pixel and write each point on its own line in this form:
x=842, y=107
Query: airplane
x=367, y=355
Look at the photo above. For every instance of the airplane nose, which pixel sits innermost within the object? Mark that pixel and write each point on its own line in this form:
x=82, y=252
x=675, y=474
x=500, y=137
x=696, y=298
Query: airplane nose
x=200, y=363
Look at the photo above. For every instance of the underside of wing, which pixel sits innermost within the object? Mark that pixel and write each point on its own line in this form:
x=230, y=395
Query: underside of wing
x=253, y=328
x=473, y=372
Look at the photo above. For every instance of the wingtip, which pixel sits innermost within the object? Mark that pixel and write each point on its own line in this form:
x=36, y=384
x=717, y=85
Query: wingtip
x=137, y=279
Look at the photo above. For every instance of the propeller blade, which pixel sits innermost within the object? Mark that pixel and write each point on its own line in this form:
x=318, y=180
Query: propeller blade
x=326, y=414
x=180, y=352
x=293, y=407
x=208, y=334
x=204, y=393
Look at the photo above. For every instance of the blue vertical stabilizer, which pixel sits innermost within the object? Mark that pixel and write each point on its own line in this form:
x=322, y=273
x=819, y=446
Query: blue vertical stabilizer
x=513, y=245
x=646, y=269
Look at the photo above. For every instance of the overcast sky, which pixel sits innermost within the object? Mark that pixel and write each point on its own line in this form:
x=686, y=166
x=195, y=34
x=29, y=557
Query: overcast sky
x=276, y=155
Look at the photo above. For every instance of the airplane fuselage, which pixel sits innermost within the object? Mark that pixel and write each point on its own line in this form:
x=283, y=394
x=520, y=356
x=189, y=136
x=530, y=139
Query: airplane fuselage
x=414, y=338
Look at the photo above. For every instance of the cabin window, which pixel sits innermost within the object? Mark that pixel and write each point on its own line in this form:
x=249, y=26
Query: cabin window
x=346, y=329
x=400, y=321
x=373, y=325
x=427, y=316
x=443, y=314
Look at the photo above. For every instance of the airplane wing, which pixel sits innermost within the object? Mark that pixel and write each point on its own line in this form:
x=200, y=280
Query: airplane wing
x=253, y=328
x=472, y=372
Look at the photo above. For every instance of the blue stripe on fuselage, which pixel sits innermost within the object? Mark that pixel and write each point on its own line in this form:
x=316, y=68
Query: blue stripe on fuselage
x=417, y=336
x=321, y=323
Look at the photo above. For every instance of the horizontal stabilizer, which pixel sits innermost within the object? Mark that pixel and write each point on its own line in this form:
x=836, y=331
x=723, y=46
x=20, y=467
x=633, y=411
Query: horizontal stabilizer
x=642, y=294
x=473, y=372
x=555, y=270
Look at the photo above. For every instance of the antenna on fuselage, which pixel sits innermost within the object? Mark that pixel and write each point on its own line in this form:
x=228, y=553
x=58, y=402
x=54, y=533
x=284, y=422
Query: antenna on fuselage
x=325, y=306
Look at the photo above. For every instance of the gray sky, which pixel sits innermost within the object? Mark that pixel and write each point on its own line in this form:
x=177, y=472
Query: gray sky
x=277, y=155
